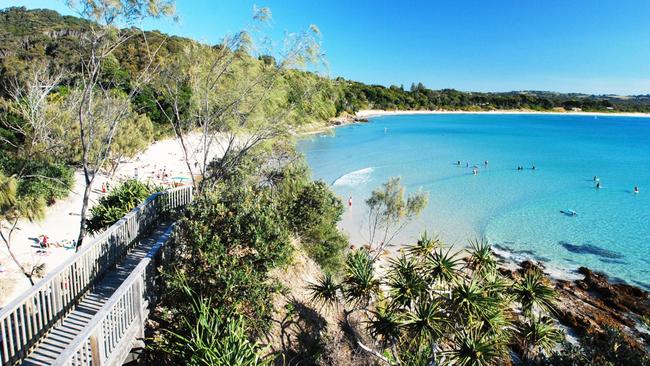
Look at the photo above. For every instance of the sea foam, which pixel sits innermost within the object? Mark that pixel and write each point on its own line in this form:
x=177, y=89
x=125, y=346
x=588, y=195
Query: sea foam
x=354, y=178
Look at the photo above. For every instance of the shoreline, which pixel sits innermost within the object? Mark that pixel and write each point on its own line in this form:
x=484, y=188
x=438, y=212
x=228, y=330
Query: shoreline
x=509, y=258
x=370, y=113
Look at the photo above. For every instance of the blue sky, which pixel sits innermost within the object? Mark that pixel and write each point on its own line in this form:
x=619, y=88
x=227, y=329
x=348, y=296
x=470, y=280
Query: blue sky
x=587, y=46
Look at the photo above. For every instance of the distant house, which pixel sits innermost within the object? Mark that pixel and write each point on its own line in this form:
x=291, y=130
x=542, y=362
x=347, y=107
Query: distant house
x=576, y=109
x=610, y=108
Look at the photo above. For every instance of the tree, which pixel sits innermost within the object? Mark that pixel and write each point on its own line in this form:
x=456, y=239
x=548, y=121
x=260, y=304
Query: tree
x=29, y=113
x=461, y=315
x=98, y=111
x=13, y=208
x=236, y=100
x=389, y=213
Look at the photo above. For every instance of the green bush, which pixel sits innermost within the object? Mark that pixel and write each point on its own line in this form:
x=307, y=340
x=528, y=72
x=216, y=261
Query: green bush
x=117, y=203
x=314, y=214
x=227, y=242
x=206, y=337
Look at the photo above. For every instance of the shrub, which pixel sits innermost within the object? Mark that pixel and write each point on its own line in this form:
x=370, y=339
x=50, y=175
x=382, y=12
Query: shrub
x=313, y=214
x=225, y=245
x=117, y=203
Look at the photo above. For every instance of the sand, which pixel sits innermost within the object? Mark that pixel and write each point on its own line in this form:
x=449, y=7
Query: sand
x=61, y=222
x=379, y=112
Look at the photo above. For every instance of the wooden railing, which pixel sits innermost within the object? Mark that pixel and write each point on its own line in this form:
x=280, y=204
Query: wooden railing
x=108, y=337
x=26, y=319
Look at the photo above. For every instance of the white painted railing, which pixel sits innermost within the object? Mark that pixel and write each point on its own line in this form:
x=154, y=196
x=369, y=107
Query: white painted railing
x=107, y=338
x=26, y=319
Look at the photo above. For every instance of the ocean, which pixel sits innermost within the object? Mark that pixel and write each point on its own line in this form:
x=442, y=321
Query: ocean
x=522, y=212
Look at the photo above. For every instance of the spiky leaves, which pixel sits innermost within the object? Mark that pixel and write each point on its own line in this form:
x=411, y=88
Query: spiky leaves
x=481, y=259
x=405, y=281
x=473, y=348
x=360, y=284
x=442, y=266
x=324, y=291
x=532, y=292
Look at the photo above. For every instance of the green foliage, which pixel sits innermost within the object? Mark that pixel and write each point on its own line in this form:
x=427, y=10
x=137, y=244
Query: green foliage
x=227, y=242
x=359, y=283
x=430, y=306
x=206, y=337
x=117, y=203
x=313, y=214
x=533, y=292
x=389, y=211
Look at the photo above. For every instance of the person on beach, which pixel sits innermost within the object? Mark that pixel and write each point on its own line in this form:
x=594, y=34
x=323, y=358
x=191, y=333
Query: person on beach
x=135, y=173
x=103, y=187
x=636, y=189
x=108, y=188
x=350, y=202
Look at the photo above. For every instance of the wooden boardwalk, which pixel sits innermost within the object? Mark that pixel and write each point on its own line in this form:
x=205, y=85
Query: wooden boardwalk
x=91, y=309
x=62, y=335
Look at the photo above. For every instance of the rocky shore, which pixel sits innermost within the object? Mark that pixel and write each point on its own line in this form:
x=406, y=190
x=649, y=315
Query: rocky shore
x=592, y=303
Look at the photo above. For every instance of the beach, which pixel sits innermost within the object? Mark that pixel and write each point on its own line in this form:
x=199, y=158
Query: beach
x=518, y=211
x=368, y=113
x=61, y=220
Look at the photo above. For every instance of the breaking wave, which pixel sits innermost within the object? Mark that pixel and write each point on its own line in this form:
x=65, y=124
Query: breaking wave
x=354, y=178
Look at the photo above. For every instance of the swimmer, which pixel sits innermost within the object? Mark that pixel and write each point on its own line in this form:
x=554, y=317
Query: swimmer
x=636, y=189
x=467, y=165
x=486, y=163
x=475, y=171
x=534, y=168
x=598, y=185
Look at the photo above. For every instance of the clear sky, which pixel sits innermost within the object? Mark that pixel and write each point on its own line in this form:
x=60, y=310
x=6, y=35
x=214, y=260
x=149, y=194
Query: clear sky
x=591, y=46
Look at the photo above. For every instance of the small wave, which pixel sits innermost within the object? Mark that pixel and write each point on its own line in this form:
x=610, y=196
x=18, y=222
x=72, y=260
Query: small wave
x=354, y=178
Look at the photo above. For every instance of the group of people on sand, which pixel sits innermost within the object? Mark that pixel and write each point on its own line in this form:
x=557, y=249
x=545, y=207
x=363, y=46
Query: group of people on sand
x=44, y=244
x=635, y=190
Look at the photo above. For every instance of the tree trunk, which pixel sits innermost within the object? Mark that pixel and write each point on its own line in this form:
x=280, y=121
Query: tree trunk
x=84, y=211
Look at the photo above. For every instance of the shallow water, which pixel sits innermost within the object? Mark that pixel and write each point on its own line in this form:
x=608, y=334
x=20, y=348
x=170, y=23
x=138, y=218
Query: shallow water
x=517, y=210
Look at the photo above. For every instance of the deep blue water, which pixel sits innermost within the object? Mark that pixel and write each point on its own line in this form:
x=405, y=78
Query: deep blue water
x=517, y=210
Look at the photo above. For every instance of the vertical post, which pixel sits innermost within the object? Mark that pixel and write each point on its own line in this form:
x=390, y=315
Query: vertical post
x=138, y=303
x=96, y=340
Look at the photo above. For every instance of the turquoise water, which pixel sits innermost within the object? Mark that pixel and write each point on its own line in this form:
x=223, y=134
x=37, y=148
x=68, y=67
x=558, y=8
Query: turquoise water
x=515, y=210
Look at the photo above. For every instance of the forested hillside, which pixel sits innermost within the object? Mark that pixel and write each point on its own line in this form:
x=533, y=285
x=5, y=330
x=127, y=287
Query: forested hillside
x=31, y=36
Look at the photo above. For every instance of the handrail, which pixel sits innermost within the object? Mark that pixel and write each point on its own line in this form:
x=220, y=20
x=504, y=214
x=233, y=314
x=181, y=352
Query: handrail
x=107, y=329
x=24, y=321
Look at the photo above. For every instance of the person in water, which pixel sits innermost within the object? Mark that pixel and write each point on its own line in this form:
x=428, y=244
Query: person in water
x=534, y=168
x=598, y=185
x=636, y=189
x=467, y=165
x=486, y=163
x=458, y=163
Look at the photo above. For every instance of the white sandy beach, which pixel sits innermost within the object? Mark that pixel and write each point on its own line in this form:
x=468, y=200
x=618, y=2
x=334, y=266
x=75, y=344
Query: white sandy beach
x=380, y=112
x=61, y=222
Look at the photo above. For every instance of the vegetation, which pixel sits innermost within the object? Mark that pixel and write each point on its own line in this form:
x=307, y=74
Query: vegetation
x=226, y=244
x=355, y=96
x=430, y=307
x=67, y=103
x=117, y=203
